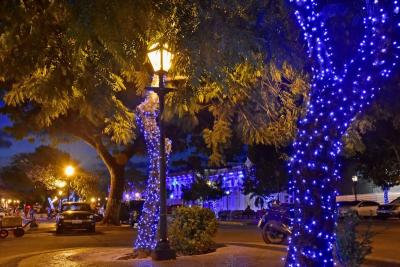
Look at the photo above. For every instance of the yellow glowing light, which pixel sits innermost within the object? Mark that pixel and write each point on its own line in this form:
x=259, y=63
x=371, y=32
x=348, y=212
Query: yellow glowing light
x=160, y=57
x=69, y=170
x=60, y=193
x=92, y=199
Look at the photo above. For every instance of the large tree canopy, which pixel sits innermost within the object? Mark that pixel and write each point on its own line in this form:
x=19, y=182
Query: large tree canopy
x=72, y=68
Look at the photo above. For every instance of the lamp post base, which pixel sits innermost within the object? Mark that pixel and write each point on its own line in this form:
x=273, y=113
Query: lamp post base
x=163, y=251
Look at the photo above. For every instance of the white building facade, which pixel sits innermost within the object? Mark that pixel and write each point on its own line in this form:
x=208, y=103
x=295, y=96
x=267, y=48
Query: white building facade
x=232, y=183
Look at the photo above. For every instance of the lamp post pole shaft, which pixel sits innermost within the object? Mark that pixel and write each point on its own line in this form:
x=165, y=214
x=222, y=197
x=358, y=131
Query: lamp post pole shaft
x=163, y=188
x=162, y=250
x=355, y=190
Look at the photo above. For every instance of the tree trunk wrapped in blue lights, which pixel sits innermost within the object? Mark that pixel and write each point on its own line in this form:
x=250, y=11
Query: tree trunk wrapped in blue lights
x=147, y=114
x=338, y=94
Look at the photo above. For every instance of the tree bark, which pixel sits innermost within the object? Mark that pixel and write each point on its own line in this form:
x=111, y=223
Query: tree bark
x=113, y=207
x=116, y=169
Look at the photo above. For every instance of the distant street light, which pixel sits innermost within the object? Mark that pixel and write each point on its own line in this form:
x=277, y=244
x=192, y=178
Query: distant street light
x=69, y=170
x=355, y=180
x=161, y=59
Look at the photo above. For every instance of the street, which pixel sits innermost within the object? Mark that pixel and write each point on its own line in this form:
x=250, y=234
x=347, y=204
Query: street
x=385, y=242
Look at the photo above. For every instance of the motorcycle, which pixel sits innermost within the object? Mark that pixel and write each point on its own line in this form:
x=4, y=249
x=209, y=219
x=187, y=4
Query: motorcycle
x=275, y=224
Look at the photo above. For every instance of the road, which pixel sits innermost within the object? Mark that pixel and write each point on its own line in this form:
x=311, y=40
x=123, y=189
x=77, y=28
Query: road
x=386, y=242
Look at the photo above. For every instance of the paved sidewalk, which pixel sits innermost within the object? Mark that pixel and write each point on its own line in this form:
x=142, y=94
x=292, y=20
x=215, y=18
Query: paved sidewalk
x=228, y=256
x=232, y=256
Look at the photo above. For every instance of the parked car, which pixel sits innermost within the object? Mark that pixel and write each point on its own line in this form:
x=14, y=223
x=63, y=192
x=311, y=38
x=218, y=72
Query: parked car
x=75, y=215
x=363, y=208
x=389, y=210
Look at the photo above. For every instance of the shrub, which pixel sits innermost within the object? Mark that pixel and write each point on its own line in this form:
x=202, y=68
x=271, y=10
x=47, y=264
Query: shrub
x=351, y=246
x=192, y=230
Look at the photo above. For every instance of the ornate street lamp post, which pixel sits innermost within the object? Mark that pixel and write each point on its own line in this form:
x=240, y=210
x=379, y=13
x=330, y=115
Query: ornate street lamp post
x=161, y=59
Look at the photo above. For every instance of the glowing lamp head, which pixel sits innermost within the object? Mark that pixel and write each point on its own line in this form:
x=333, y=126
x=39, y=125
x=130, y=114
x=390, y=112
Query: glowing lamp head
x=60, y=193
x=160, y=57
x=92, y=200
x=354, y=178
x=137, y=195
x=171, y=196
x=69, y=170
x=227, y=192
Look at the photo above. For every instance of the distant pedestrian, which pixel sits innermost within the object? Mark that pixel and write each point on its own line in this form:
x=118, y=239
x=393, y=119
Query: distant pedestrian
x=48, y=212
x=31, y=213
x=26, y=210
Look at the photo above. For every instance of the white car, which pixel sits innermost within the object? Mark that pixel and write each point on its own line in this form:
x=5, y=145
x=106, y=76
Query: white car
x=363, y=208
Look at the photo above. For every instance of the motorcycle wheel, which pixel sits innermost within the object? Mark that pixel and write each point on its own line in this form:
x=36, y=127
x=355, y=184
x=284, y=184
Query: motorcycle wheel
x=271, y=236
x=3, y=233
x=18, y=232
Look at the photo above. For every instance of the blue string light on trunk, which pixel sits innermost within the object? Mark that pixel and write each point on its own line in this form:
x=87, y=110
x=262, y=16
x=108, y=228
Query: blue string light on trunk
x=337, y=95
x=147, y=113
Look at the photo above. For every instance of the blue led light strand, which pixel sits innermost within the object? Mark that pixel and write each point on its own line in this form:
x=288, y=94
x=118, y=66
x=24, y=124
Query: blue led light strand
x=337, y=96
x=147, y=113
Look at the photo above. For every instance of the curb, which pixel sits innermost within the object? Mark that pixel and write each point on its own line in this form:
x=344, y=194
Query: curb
x=236, y=223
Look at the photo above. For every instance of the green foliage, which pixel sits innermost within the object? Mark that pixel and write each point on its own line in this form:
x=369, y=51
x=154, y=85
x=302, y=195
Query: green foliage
x=262, y=107
x=270, y=171
x=380, y=162
x=373, y=142
x=203, y=189
x=351, y=246
x=192, y=230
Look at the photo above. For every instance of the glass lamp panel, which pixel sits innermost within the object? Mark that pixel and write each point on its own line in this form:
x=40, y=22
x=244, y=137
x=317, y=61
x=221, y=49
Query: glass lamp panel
x=167, y=60
x=155, y=59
